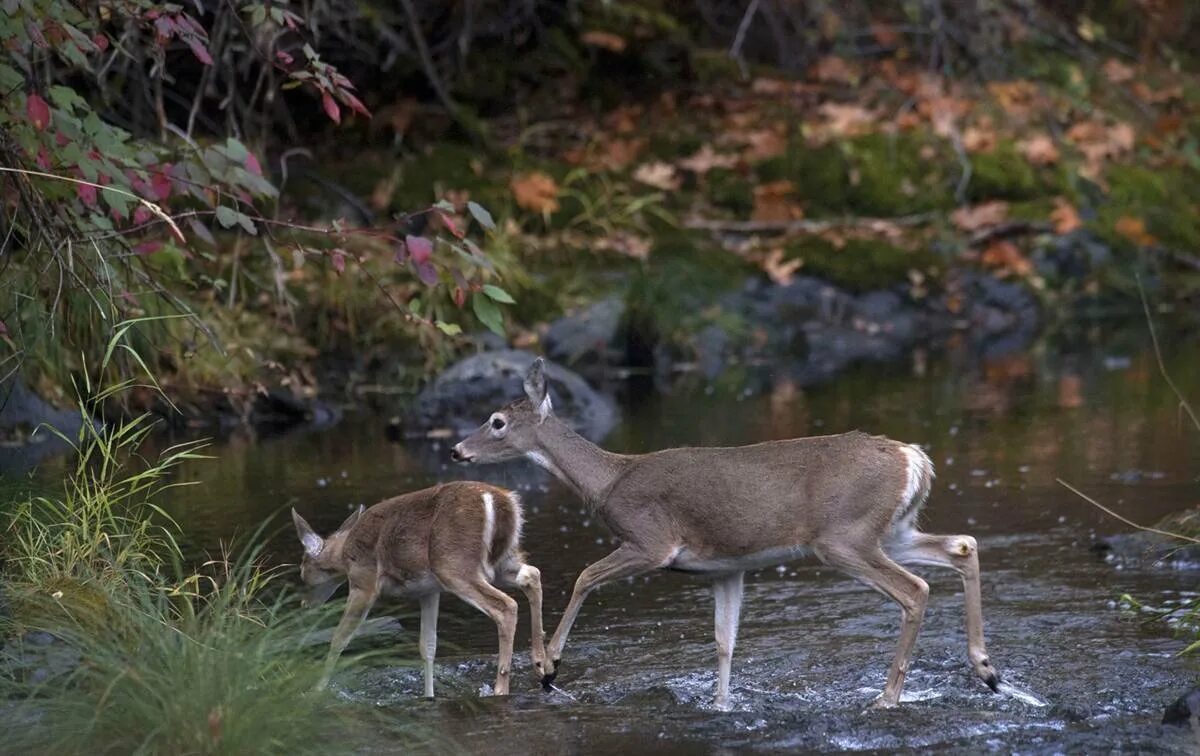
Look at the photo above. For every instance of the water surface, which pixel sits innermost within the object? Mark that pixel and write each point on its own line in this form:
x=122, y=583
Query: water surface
x=1087, y=406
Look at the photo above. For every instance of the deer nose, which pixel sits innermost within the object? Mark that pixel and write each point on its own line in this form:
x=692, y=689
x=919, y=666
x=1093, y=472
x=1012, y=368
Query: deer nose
x=456, y=453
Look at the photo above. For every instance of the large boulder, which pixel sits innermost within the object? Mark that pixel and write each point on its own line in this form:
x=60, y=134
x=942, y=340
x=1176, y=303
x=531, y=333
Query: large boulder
x=588, y=337
x=463, y=395
x=25, y=420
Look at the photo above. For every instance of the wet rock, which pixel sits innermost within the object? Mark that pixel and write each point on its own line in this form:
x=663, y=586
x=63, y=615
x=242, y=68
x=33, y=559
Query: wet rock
x=464, y=394
x=1185, y=710
x=281, y=409
x=1144, y=548
x=23, y=442
x=588, y=337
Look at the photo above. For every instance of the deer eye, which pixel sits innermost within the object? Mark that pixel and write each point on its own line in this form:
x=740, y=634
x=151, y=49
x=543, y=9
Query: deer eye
x=498, y=423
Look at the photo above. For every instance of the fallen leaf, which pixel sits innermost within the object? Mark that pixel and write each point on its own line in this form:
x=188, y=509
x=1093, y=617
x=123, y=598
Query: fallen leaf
x=1134, y=229
x=1150, y=96
x=1039, y=149
x=1065, y=216
x=763, y=144
x=625, y=243
x=779, y=270
x=834, y=70
x=1006, y=258
x=979, y=138
x=976, y=217
x=774, y=203
x=657, y=174
x=705, y=159
x=604, y=40
x=847, y=120
x=1117, y=72
x=1070, y=392
x=618, y=154
x=535, y=191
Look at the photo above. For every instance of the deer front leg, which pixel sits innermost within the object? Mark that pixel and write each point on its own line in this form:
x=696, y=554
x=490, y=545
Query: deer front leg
x=727, y=593
x=626, y=561
x=429, y=618
x=358, y=604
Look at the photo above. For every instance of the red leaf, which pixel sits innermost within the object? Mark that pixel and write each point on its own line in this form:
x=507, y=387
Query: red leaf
x=142, y=215
x=427, y=273
x=100, y=41
x=43, y=158
x=60, y=139
x=284, y=58
x=200, y=51
x=148, y=247
x=338, y=258
x=451, y=226
x=160, y=183
x=331, y=108
x=3, y=329
x=401, y=255
x=252, y=164
x=87, y=193
x=38, y=111
x=356, y=104
x=420, y=248
x=460, y=296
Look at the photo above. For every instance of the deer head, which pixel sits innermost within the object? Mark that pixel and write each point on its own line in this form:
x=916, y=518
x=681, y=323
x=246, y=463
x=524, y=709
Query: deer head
x=511, y=431
x=322, y=568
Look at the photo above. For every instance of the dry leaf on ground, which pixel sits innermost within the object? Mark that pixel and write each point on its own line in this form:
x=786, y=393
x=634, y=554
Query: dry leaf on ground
x=657, y=174
x=1134, y=229
x=779, y=270
x=763, y=144
x=605, y=40
x=834, y=70
x=1117, y=72
x=705, y=159
x=535, y=191
x=774, y=203
x=847, y=119
x=1006, y=258
x=980, y=137
x=976, y=217
x=1039, y=149
x=618, y=154
x=625, y=243
x=1065, y=217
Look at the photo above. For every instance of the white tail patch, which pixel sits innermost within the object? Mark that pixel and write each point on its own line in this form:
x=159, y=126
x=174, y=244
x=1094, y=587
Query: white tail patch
x=918, y=480
x=518, y=519
x=489, y=522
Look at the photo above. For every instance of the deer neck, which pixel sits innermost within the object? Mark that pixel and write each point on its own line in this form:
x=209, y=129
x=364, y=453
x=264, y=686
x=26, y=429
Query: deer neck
x=586, y=468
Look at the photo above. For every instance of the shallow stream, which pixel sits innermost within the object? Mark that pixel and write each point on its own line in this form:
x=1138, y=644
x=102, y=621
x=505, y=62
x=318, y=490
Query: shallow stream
x=814, y=646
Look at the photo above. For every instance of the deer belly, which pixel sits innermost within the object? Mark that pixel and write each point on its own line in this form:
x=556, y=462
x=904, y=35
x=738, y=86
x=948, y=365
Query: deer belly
x=410, y=586
x=687, y=561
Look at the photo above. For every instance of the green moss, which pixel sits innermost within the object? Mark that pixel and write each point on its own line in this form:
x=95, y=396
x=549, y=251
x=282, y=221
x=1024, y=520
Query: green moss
x=861, y=264
x=732, y=191
x=874, y=175
x=1005, y=174
x=1163, y=198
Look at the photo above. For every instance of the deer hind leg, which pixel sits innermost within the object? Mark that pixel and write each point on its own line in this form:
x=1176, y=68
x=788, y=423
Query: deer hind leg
x=478, y=592
x=727, y=593
x=528, y=579
x=875, y=569
x=429, y=618
x=961, y=554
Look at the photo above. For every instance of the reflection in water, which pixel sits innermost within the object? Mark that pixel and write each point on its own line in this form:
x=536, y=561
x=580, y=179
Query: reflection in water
x=814, y=647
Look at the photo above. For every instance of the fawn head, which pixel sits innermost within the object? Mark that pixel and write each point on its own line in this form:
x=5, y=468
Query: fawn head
x=322, y=568
x=510, y=432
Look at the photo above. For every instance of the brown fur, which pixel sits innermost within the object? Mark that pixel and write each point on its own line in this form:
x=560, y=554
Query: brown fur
x=420, y=544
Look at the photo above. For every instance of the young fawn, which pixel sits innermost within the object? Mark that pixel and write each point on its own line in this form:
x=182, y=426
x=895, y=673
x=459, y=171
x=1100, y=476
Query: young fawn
x=461, y=537
x=851, y=500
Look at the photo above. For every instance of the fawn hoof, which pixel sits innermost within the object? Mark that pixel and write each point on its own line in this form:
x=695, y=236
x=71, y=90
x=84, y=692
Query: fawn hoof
x=882, y=703
x=993, y=681
x=988, y=673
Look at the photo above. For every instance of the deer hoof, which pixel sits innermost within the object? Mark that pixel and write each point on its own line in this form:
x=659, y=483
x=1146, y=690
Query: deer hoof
x=549, y=677
x=993, y=681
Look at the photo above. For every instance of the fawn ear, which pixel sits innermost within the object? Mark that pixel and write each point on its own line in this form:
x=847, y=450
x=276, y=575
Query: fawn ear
x=535, y=388
x=352, y=520
x=313, y=543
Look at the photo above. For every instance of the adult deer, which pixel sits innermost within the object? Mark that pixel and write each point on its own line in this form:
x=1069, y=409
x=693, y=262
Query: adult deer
x=850, y=499
x=460, y=537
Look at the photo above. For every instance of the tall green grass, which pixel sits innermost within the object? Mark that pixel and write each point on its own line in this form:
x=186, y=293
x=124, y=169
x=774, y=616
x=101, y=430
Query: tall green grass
x=172, y=661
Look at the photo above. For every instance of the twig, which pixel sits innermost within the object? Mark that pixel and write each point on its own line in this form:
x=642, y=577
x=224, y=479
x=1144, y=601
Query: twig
x=152, y=207
x=806, y=226
x=1162, y=367
x=735, y=50
x=1123, y=519
x=1010, y=228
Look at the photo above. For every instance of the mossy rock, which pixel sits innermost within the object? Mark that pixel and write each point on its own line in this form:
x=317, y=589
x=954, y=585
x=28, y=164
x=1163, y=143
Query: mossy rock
x=861, y=264
x=1165, y=199
x=875, y=175
x=1005, y=174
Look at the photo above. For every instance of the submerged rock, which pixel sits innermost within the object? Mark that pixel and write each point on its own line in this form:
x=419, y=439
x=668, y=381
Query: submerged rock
x=1185, y=710
x=465, y=393
x=1154, y=549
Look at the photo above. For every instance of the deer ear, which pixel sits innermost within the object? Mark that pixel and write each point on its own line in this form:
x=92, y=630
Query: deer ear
x=312, y=542
x=352, y=520
x=535, y=387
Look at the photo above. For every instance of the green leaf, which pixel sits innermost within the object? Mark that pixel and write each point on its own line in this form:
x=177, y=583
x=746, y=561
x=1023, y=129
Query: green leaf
x=488, y=313
x=227, y=216
x=480, y=213
x=450, y=329
x=236, y=151
x=65, y=98
x=414, y=305
x=117, y=201
x=498, y=294
x=446, y=205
